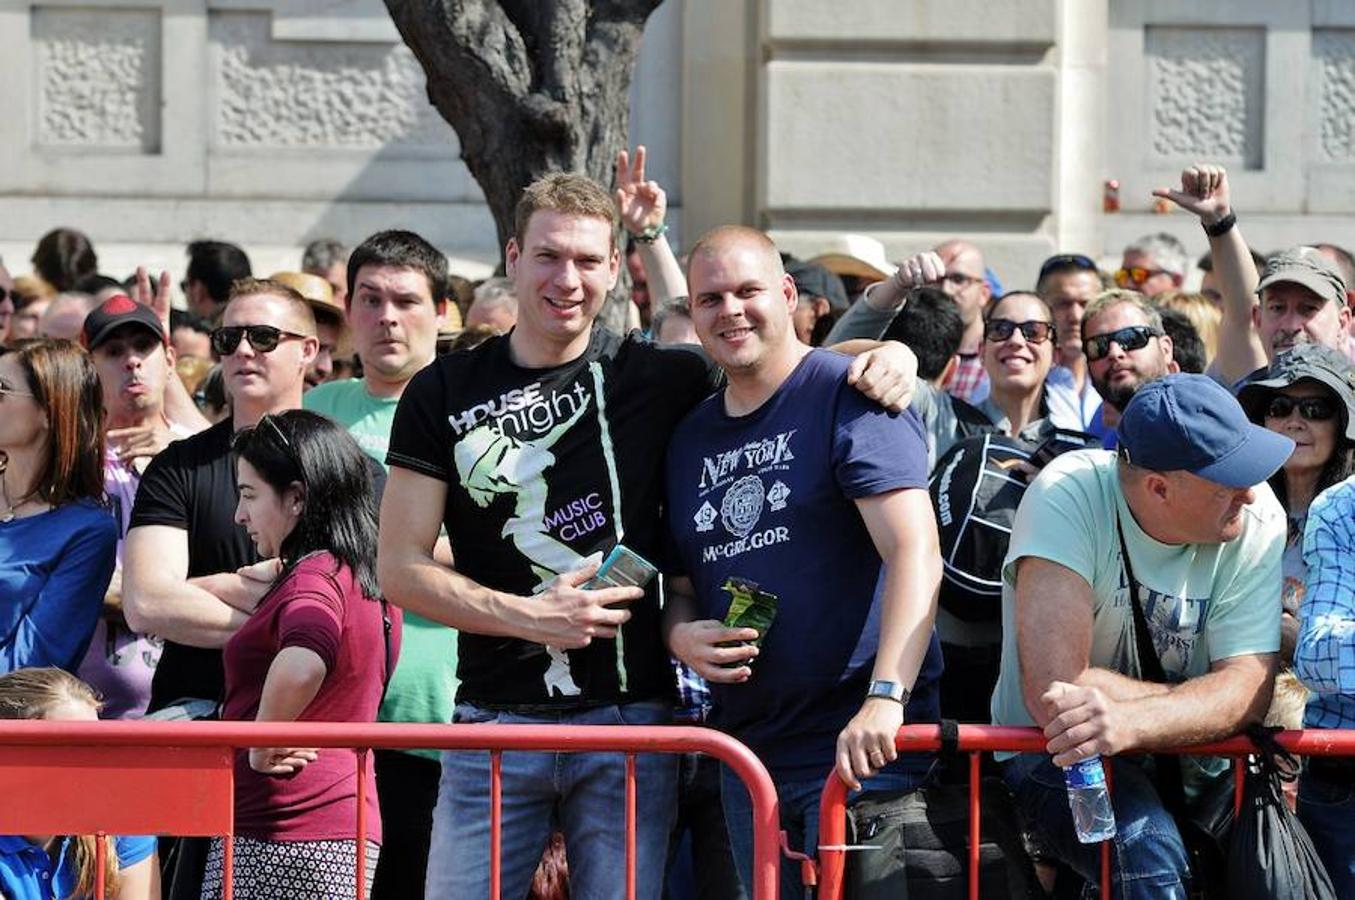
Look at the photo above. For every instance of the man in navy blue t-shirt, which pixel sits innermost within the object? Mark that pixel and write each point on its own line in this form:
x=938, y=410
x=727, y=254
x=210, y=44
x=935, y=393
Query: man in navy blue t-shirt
x=790, y=480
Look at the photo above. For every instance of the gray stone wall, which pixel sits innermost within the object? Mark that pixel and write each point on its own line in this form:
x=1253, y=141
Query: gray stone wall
x=277, y=121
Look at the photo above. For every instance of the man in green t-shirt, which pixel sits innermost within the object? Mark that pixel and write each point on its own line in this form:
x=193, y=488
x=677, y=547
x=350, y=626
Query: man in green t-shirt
x=1185, y=500
x=397, y=289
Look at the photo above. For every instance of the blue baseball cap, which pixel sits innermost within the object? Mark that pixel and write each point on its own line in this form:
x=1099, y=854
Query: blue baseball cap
x=1191, y=423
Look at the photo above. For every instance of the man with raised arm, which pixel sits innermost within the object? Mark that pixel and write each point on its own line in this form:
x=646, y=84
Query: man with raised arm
x=539, y=451
x=1302, y=294
x=1172, y=544
x=789, y=483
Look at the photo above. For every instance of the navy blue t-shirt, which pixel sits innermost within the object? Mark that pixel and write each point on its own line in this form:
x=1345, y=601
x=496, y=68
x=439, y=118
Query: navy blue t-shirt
x=769, y=497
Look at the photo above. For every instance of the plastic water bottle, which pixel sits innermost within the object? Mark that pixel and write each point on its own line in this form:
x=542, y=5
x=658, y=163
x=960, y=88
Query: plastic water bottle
x=1093, y=817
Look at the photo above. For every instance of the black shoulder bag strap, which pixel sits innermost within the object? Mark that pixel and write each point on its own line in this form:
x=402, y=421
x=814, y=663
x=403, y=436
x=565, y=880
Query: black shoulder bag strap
x=1169, y=784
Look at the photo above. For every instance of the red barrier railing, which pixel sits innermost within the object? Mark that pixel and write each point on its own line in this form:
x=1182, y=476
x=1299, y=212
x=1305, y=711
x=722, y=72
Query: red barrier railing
x=978, y=739
x=177, y=777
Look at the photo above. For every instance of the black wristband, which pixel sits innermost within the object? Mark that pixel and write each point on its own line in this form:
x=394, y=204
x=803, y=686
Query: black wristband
x=1222, y=226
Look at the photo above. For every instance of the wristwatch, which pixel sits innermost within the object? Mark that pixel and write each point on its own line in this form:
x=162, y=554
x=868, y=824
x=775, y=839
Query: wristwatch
x=890, y=690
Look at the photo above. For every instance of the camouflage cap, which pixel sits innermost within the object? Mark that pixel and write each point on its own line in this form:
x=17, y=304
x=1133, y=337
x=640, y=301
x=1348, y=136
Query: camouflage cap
x=1306, y=362
x=1308, y=267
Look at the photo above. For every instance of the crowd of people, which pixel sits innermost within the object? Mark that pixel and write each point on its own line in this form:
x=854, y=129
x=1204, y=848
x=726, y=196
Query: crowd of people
x=370, y=490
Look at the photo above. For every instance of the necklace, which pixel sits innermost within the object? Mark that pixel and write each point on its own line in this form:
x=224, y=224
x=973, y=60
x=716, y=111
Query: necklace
x=12, y=508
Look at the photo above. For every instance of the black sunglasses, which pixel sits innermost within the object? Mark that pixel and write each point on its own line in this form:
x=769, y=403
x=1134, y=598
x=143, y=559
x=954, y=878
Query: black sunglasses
x=1135, y=337
x=1033, y=330
x=263, y=338
x=1314, y=409
x=1064, y=262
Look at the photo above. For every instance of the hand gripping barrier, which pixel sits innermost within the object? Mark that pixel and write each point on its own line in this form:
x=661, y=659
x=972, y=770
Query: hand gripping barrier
x=978, y=739
x=177, y=777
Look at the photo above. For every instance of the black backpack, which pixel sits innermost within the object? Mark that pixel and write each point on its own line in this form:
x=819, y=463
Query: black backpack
x=975, y=494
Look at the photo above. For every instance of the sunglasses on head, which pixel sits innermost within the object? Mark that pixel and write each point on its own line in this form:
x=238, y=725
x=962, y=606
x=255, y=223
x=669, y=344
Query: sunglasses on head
x=1064, y=262
x=1135, y=276
x=263, y=338
x=1314, y=409
x=1033, y=330
x=1135, y=337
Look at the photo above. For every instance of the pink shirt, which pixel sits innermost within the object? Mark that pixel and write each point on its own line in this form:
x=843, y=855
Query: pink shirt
x=318, y=605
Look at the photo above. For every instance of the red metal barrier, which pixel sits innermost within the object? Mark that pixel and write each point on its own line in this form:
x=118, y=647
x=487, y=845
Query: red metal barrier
x=177, y=777
x=979, y=739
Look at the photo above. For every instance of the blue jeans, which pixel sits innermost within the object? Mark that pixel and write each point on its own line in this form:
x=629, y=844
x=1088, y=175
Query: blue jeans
x=1327, y=811
x=1148, y=859
x=585, y=793
x=799, y=802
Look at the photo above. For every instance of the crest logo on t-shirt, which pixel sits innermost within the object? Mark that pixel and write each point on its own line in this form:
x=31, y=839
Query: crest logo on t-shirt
x=705, y=517
x=777, y=496
x=742, y=505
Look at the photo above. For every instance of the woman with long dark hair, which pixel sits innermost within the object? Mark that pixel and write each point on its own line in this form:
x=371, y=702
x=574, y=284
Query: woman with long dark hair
x=319, y=647
x=1307, y=394
x=57, y=535
x=67, y=866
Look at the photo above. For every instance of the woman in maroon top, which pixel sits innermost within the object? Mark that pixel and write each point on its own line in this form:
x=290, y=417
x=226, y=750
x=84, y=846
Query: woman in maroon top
x=319, y=647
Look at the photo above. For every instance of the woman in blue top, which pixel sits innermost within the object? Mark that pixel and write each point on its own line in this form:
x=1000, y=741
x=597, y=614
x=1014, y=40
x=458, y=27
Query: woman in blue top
x=57, y=536
x=47, y=867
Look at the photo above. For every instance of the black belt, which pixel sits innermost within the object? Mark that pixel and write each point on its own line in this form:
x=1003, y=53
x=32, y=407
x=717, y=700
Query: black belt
x=1337, y=770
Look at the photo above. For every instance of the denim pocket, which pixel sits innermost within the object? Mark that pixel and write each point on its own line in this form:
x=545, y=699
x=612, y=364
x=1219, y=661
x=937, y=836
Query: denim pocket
x=470, y=714
x=644, y=712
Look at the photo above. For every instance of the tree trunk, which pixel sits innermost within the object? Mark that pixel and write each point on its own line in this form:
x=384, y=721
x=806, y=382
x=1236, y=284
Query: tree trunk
x=530, y=86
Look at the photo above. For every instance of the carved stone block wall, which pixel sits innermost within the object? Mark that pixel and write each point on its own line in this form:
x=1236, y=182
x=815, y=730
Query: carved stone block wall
x=1206, y=94
x=1334, y=90
x=273, y=94
x=98, y=78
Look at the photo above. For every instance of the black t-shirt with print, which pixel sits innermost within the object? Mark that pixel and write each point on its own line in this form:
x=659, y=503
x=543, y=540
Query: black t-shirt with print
x=191, y=485
x=544, y=467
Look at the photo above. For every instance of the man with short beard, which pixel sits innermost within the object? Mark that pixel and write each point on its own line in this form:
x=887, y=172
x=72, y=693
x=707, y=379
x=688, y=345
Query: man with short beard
x=1126, y=347
x=398, y=292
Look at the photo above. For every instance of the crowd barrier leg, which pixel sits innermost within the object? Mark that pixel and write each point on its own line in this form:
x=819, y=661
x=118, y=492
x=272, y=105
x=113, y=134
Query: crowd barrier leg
x=178, y=777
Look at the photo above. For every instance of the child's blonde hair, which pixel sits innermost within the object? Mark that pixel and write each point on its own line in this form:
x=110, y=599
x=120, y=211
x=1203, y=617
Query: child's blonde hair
x=32, y=694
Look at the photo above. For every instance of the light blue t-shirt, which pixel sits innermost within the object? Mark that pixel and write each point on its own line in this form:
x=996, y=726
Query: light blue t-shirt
x=1203, y=602
x=423, y=687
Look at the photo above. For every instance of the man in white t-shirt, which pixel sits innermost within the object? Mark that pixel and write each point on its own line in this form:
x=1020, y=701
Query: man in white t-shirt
x=1204, y=537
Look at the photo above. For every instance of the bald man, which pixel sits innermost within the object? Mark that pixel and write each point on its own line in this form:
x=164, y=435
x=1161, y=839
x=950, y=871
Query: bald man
x=956, y=267
x=790, y=481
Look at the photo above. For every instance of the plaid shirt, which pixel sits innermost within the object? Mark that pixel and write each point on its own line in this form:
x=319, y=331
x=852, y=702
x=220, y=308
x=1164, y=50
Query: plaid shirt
x=970, y=382
x=693, y=695
x=1325, y=655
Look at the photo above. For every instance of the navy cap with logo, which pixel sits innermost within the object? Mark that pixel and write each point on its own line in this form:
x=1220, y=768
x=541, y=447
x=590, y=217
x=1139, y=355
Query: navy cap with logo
x=1191, y=423
x=115, y=312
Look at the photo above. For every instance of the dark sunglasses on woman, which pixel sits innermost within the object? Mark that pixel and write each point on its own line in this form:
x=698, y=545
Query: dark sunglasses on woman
x=1135, y=337
x=1033, y=330
x=263, y=338
x=1314, y=409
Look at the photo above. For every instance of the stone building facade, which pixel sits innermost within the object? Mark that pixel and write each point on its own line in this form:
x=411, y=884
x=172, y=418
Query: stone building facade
x=273, y=122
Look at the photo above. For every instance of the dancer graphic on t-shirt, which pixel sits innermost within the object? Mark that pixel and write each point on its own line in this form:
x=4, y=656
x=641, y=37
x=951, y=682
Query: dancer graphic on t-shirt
x=492, y=464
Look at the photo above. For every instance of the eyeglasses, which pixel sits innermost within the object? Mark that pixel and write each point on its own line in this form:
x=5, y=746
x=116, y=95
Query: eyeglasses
x=960, y=279
x=263, y=338
x=1033, y=330
x=7, y=391
x=1135, y=276
x=1314, y=409
x=1063, y=262
x=269, y=422
x=1135, y=337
